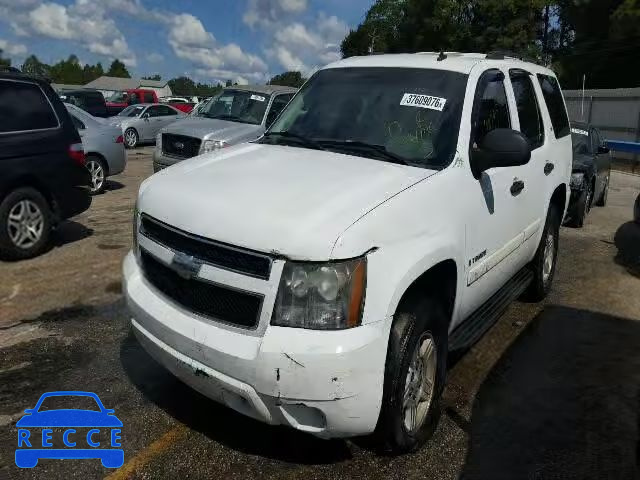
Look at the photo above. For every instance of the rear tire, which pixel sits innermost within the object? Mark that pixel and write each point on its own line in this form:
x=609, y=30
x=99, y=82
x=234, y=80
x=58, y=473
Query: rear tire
x=25, y=224
x=582, y=208
x=98, y=171
x=131, y=138
x=602, y=201
x=415, y=374
x=543, y=265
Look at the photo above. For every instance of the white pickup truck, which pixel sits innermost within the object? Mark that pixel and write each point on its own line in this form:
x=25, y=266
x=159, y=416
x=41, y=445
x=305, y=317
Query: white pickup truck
x=319, y=277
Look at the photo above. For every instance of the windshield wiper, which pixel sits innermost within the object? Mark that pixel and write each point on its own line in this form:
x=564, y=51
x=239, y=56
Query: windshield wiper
x=355, y=146
x=300, y=139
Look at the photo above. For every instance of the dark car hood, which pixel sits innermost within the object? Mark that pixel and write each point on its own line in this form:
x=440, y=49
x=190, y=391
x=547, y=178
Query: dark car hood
x=69, y=418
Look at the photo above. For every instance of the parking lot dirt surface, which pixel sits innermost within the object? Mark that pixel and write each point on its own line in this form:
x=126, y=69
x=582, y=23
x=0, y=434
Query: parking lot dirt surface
x=551, y=391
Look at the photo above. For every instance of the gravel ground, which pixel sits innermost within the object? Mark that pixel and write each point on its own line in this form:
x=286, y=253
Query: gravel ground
x=552, y=391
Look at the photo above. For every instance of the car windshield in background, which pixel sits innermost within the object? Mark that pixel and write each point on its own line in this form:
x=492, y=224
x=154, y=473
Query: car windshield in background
x=118, y=97
x=237, y=106
x=581, y=140
x=131, y=111
x=401, y=115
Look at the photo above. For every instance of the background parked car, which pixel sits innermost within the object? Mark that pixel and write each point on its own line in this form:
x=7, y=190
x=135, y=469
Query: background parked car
x=103, y=147
x=121, y=100
x=238, y=114
x=141, y=123
x=590, y=174
x=91, y=101
x=43, y=178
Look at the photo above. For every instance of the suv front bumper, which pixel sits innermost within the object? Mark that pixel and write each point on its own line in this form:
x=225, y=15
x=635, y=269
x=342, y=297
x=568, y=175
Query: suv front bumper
x=328, y=383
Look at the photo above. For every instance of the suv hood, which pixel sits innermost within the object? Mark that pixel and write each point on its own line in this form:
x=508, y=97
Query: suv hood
x=213, y=129
x=290, y=201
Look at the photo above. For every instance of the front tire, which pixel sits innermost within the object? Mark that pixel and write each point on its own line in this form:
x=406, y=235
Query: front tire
x=131, y=138
x=414, y=376
x=543, y=265
x=25, y=224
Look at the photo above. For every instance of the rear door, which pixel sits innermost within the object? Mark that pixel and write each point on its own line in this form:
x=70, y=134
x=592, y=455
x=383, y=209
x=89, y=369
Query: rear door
x=34, y=136
x=531, y=125
x=161, y=116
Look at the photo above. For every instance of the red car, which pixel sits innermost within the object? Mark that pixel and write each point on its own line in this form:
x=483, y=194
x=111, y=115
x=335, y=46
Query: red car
x=121, y=100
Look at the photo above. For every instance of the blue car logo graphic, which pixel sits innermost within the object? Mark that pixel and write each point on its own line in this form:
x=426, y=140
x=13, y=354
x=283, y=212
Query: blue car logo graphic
x=33, y=444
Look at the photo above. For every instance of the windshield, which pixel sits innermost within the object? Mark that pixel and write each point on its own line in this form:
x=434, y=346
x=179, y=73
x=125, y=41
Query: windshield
x=404, y=115
x=237, y=106
x=581, y=140
x=65, y=402
x=118, y=97
x=131, y=111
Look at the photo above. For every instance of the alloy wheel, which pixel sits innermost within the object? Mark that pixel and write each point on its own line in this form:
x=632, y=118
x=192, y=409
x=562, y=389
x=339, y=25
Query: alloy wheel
x=420, y=383
x=97, y=175
x=25, y=224
x=549, y=257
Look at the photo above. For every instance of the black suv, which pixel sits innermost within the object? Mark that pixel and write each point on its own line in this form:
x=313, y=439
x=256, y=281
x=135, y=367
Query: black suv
x=43, y=178
x=91, y=101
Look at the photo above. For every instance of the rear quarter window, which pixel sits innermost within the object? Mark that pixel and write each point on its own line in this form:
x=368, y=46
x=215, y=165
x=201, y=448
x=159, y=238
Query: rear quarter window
x=23, y=107
x=555, y=105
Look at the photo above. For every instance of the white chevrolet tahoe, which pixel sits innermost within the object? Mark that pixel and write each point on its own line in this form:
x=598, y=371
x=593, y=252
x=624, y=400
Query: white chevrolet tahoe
x=319, y=277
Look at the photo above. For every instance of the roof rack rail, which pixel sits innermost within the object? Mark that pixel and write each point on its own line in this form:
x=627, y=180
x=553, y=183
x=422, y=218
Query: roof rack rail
x=8, y=69
x=502, y=54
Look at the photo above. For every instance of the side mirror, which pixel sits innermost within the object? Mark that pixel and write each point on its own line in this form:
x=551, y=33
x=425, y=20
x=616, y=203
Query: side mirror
x=145, y=115
x=29, y=410
x=603, y=149
x=501, y=147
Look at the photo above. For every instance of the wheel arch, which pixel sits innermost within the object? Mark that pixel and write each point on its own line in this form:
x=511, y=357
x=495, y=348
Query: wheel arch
x=441, y=280
x=560, y=199
x=105, y=164
x=28, y=180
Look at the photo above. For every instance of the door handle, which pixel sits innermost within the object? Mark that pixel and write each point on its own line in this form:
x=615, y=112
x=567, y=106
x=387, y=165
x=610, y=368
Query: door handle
x=548, y=168
x=517, y=187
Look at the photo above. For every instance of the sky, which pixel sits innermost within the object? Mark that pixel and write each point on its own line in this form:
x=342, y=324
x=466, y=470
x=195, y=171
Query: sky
x=246, y=41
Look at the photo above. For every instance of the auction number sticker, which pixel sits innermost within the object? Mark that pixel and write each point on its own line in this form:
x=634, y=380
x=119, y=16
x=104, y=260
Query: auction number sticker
x=423, y=101
x=579, y=131
x=258, y=98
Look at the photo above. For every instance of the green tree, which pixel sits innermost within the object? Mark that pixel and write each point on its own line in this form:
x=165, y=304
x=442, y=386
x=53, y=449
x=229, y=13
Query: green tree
x=33, y=66
x=91, y=72
x=288, y=79
x=67, y=71
x=118, y=69
x=182, y=86
x=156, y=77
x=4, y=62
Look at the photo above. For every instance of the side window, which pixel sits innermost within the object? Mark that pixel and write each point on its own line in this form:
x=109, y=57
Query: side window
x=24, y=106
x=148, y=97
x=276, y=107
x=531, y=124
x=165, y=111
x=555, y=105
x=153, y=111
x=77, y=123
x=490, y=109
x=133, y=98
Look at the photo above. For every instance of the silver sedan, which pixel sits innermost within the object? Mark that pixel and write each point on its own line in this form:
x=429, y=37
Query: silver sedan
x=142, y=122
x=103, y=146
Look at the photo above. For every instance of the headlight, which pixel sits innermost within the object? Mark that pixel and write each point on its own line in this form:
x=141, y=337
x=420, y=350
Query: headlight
x=577, y=179
x=212, y=145
x=321, y=296
x=135, y=230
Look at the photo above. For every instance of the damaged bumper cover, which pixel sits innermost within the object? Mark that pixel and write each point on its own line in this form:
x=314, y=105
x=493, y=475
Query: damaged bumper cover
x=324, y=383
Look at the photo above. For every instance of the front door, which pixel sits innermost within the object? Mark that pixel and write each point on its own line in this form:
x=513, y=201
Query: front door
x=495, y=225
